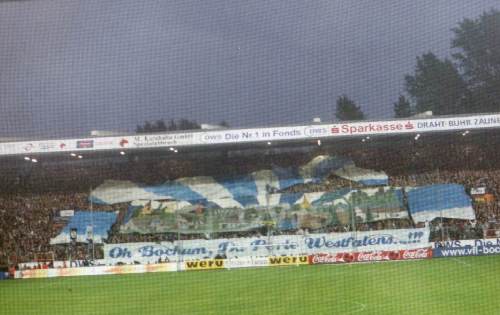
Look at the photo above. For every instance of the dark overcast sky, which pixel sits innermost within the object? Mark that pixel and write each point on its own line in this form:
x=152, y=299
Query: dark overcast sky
x=68, y=67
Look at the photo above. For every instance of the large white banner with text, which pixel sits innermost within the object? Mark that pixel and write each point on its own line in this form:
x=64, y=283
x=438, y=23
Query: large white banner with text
x=288, y=245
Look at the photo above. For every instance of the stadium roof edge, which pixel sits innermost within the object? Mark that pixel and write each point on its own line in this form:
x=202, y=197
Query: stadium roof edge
x=124, y=133
x=310, y=131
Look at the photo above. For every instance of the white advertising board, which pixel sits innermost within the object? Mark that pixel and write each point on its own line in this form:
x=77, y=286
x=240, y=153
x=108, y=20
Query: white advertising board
x=234, y=136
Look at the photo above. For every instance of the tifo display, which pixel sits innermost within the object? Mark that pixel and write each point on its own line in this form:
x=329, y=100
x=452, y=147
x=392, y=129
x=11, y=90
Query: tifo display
x=224, y=207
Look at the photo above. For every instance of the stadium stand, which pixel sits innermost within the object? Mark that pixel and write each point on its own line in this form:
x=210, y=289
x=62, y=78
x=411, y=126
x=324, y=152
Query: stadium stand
x=30, y=208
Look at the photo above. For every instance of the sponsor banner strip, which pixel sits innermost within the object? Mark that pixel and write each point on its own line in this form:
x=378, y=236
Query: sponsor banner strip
x=204, y=264
x=406, y=254
x=211, y=264
x=232, y=136
x=481, y=247
x=288, y=260
x=246, y=262
x=94, y=270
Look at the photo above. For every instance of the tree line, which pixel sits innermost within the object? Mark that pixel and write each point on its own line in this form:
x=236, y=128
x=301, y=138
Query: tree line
x=468, y=82
x=173, y=125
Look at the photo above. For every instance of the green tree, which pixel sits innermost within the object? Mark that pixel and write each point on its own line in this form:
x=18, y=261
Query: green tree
x=148, y=127
x=477, y=42
x=186, y=124
x=436, y=85
x=172, y=125
x=402, y=108
x=348, y=110
x=160, y=126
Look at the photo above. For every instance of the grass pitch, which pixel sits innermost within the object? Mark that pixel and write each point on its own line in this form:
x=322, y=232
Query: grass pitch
x=467, y=285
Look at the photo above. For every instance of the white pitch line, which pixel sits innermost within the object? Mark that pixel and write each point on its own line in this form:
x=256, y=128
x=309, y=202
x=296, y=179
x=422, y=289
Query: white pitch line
x=461, y=262
x=361, y=308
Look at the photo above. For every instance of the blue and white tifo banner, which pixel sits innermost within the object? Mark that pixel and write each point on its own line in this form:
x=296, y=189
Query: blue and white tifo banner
x=239, y=191
x=443, y=200
x=363, y=176
x=466, y=248
x=89, y=225
x=288, y=245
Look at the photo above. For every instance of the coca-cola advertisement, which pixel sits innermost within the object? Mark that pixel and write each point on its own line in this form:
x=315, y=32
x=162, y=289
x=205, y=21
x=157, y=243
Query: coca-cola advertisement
x=420, y=253
x=405, y=254
x=326, y=258
x=376, y=256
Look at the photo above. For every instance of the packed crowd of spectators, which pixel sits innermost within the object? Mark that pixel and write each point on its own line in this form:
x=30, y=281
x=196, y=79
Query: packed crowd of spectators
x=28, y=221
x=31, y=198
x=487, y=211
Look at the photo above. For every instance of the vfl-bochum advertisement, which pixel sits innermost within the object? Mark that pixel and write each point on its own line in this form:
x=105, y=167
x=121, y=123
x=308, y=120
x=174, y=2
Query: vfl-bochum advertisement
x=467, y=248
